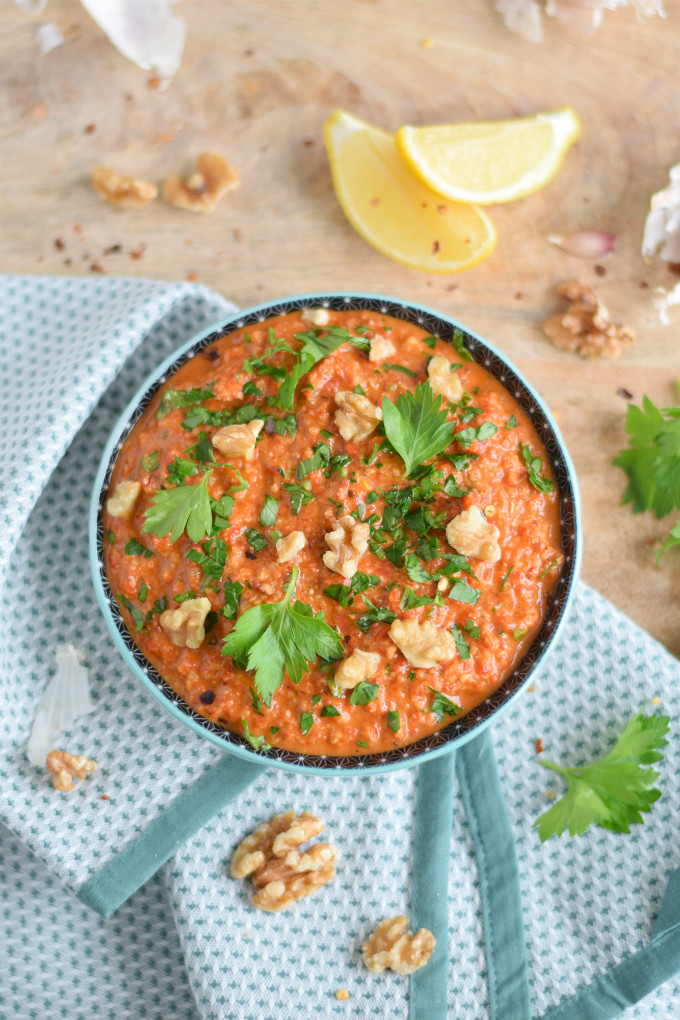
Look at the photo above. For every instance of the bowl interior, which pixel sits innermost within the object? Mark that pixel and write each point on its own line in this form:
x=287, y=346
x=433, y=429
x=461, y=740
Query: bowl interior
x=459, y=730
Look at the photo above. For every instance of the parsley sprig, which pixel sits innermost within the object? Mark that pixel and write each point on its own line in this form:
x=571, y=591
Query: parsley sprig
x=174, y=510
x=652, y=461
x=277, y=637
x=612, y=791
x=416, y=425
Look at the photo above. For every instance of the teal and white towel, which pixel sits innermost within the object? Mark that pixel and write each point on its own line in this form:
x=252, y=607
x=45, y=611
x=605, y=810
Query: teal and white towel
x=72, y=352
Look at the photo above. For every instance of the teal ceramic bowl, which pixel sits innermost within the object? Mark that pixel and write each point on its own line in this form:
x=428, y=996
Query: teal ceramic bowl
x=460, y=730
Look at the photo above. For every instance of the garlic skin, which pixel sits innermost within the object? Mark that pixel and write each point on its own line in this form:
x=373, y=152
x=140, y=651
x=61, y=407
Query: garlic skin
x=65, y=698
x=524, y=16
x=585, y=244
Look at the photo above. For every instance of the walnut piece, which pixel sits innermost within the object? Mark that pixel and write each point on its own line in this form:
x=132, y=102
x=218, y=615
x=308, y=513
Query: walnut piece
x=280, y=873
x=316, y=316
x=289, y=546
x=203, y=190
x=470, y=534
x=65, y=766
x=391, y=947
x=381, y=348
x=186, y=624
x=443, y=380
x=121, y=503
x=422, y=644
x=238, y=440
x=347, y=542
x=356, y=416
x=356, y=667
x=125, y=192
x=586, y=328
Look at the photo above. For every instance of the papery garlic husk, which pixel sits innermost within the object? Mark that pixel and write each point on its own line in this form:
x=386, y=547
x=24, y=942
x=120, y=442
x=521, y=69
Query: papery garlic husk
x=65, y=698
x=585, y=244
x=662, y=226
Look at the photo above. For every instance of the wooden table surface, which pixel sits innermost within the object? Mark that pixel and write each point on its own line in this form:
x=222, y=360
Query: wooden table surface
x=256, y=84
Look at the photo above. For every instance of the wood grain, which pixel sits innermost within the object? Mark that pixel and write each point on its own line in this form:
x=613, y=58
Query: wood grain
x=256, y=84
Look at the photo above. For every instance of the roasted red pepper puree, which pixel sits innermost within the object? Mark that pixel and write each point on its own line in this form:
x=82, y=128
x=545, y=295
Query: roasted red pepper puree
x=498, y=482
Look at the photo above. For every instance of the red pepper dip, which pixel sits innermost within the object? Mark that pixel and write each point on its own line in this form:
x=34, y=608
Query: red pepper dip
x=332, y=532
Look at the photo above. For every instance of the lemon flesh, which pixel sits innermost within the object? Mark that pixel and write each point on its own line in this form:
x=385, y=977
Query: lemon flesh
x=495, y=161
x=393, y=210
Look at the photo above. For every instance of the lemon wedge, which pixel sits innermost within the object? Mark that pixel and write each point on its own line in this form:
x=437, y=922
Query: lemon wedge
x=391, y=207
x=494, y=161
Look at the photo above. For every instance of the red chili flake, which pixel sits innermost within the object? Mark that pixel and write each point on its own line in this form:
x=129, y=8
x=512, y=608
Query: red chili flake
x=90, y=129
x=623, y=392
x=238, y=236
x=644, y=285
x=375, y=201
x=165, y=136
x=96, y=268
x=435, y=247
x=77, y=229
x=308, y=142
x=538, y=744
x=153, y=82
x=192, y=277
x=674, y=267
x=59, y=243
x=213, y=355
x=600, y=270
x=518, y=295
x=113, y=249
x=250, y=555
x=105, y=796
x=139, y=253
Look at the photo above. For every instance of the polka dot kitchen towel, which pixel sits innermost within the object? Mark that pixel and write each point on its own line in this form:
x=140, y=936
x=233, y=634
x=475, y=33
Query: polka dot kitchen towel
x=443, y=851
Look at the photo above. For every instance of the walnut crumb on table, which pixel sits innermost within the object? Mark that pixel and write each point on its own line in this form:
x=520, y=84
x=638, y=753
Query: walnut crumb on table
x=64, y=767
x=125, y=192
x=280, y=873
x=586, y=328
x=203, y=190
x=342, y=994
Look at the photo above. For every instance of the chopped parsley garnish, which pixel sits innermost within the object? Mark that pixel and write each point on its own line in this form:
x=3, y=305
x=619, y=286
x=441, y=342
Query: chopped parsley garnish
x=459, y=344
x=256, y=701
x=461, y=644
x=143, y=592
x=212, y=558
x=320, y=459
x=150, y=462
x=112, y=538
x=221, y=510
x=612, y=791
x=242, y=483
x=173, y=399
x=344, y=593
x=202, y=450
x=363, y=693
x=257, y=743
x=518, y=633
x=255, y=539
x=461, y=461
x=672, y=540
x=359, y=390
x=274, y=637
x=316, y=345
x=393, y=721
x=306, y=722
x=442, y=705
x=232, y=596
x=184, y=596
x=159, y=606
x=135, y=548
x=329, y=711
x=228, y=416
x=299, y=497
x=471, y=628
x=389, y=366
x=535, y=466
x=316, y=698
x=461, y=591
x=269, y=511
x=375, y=614
x=137, y=614
x=274, y=729
x=429, y=341
x=173, y=510
x=180, y=468
x=452, y=488
x=511, y=423
x=507, y=575
x=415, y=570
x=416, y=425
x=652, y=460
x=361, y=743
x=469, y=435
x=409, y=600
x=251, y=390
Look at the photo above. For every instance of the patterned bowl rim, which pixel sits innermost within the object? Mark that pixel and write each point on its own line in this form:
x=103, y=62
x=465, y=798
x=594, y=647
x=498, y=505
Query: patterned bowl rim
x=459, y=731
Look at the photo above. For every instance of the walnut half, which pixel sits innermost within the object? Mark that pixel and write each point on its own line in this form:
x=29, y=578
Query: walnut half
x=586, y=328
x=470, y=534
x=289, y=546
x=203, y=190
x=121, y=502
x=280, y=873
x=64, y=767
x=356, y=417
x=356, y=667
x=422, y=644
x=347, y=542
x=238, y=440
x=391, y=947
x=443, y=380
x=186, y=624
x=125, y=192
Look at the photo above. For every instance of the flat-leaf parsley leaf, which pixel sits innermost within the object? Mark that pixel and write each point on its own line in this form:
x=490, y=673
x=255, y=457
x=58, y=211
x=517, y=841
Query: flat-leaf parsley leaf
x=614, y=790
x=173, y=510
x=416, y=425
